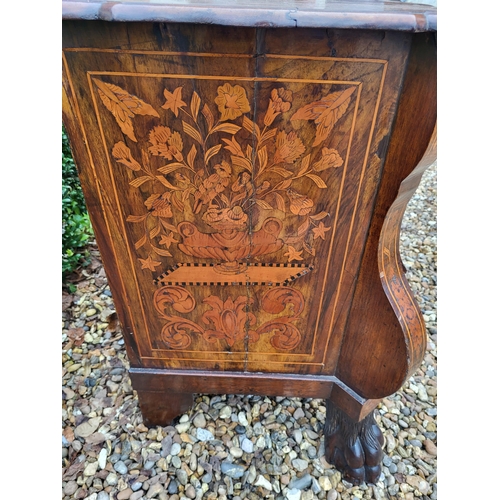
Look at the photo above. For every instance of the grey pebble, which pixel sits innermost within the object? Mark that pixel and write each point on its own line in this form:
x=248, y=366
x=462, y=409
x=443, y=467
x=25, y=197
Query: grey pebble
x=301, y=483
x=234, y=471
x=315, y=487
x=207, y=478
x=300, y=464
x=176, y=449
x=136, y=486
x=200, y=421
x=297, y=435
x=176, y=462
x=204, y=435
x=181, y=476
x=172, y=487
x=120, y=467
x=103, y=495
x=298, y=413
x=247, y=445
x=393, y=490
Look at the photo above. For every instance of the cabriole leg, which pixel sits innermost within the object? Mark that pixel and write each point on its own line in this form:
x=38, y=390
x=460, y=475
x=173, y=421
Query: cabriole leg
x=354, y=448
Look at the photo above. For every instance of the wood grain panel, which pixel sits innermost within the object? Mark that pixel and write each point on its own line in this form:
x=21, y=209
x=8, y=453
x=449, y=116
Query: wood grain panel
x=235, y=189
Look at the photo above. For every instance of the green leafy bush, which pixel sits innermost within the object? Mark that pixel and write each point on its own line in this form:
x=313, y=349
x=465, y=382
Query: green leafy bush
x=76, y=227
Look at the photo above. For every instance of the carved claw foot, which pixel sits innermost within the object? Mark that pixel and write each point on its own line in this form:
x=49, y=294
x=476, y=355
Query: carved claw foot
x=354, y=448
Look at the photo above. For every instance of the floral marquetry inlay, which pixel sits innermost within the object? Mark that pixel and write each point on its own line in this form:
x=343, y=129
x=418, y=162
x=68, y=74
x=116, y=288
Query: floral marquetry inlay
x=236, y=182
x=231, y=187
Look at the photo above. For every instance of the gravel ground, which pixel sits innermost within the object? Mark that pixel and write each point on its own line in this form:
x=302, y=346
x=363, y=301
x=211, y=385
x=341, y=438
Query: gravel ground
x=230, y=446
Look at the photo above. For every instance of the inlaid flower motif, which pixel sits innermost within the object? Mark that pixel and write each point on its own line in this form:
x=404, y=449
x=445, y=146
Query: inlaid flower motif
x=149, y=263
x=299, y=204
x=280, y=102
x=288, y=147
x=168, y=240
x=226, y=218
x=173, y=100
x=159, y=205
x=212, y=186
x=165, y=143
x=293, y=254
x=122, y=154
x=231, y=101
x=230, y=319
x=329, y=158
x=319, y=232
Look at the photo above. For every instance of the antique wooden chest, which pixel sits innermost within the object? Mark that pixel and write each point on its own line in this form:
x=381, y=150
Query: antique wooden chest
x=246, y=166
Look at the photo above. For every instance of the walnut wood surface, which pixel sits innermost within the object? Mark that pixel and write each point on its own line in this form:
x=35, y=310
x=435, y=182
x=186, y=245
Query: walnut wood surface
x=238, y=180
x=373, y=14
x=374, y=341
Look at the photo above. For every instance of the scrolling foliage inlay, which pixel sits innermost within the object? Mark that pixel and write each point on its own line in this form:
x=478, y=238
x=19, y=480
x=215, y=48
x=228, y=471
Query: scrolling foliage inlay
x=230, y=319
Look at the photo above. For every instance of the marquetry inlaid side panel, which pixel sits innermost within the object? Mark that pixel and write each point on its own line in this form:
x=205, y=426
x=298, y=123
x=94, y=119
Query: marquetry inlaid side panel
x=232, y=187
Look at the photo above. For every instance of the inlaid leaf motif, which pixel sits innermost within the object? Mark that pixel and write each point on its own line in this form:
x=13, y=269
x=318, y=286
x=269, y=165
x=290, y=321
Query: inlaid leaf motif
x=191, y=156
x=171, y=167
x=208, y=116
x=211, y=152
x=252, y=127
x=230, y=128
x=302, y=230
x=195, y=105
x=192, y=132
x=136, y=218
x=263, y=204
x=319, y=216
x=155, y=231
x=140, y=180
x=163, y=253
x=233, y=147
x=317, y=180
x=262, y=155
x=280, y=202
x=325, y=112
x=140, y=242
x=167, y=184
x=304, y=165
x=281, y=171
x=268, y=135
x=123, y=106
x=241, y=162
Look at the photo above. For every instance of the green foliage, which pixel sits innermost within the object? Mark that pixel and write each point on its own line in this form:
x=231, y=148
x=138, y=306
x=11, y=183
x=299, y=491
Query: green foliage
x=76, y=228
